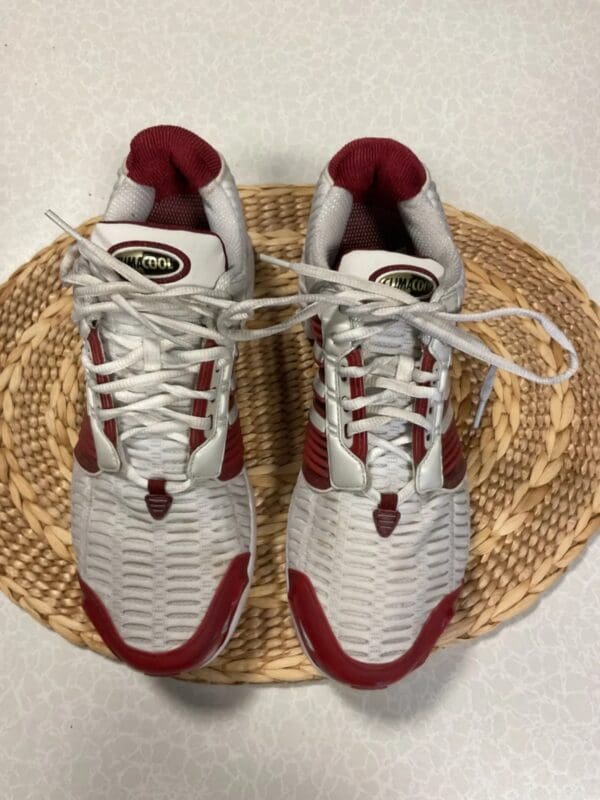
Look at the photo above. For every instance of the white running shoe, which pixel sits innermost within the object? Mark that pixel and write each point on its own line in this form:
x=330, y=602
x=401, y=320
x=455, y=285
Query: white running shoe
x=378, y=528
x=162, y=512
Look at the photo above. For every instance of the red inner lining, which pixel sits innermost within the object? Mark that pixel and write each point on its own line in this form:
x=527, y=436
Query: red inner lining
x=185, y=211
x=378, y=173
x=176, y=163
x=373, y=225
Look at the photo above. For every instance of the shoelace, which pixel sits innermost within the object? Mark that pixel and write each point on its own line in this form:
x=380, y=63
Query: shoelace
x=378, y=307
x=150, y=397
x=160, y=311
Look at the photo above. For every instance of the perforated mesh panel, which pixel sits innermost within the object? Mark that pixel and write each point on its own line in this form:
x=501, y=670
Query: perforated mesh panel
x=157, y=577
x=372, y=227
x=187, y=211
x=377, y=592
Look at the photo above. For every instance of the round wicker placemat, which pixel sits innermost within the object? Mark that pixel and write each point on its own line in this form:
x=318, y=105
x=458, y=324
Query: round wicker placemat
x=533, y=465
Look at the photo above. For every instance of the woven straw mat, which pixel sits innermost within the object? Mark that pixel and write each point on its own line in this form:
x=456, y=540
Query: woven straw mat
x=533, y=464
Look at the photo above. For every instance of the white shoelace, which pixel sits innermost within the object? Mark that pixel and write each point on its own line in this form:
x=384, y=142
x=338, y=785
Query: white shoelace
x=149, y=400
x=153, y=398
x=379, y=307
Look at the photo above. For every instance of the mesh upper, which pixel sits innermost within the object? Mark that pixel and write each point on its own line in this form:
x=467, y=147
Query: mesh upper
x=157, y=577
x=377, y=593
x=129, y=201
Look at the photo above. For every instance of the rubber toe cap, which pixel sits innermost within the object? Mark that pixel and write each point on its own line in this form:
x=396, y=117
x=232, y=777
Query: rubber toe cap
x=327, y=654
x=199, y=649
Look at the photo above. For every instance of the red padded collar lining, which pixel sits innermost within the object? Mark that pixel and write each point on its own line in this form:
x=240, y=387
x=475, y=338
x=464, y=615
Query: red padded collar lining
x=171, y=159
x=378, y=168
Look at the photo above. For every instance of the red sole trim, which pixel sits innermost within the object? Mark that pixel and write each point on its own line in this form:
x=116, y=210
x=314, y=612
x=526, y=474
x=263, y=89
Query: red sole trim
x=203, y=644
x=326, y=653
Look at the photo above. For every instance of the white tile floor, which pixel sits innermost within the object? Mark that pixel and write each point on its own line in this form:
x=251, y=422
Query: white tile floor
x=502, y=102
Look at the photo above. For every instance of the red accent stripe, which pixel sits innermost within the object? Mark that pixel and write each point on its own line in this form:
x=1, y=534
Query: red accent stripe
x=420, y=407
x=315, y=462
x=315, y=466
x=389, y=501
x=233, y=457
x=106, y=400
x=316, y=330
x=455, y=467
x=85, y=449
x=199, y=649
x=319, y=404
x=357, y=389
x=453, y=462
x=326, y=652
x=199, y=406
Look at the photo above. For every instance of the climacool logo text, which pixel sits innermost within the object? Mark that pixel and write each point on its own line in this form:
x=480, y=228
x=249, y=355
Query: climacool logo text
x=160, y=263
x=413, y=283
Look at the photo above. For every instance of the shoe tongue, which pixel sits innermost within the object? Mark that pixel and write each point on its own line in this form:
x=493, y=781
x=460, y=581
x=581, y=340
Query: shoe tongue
x=164, y=254
x=419, y=277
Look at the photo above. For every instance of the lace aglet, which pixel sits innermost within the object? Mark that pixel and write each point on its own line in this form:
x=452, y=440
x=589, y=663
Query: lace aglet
x=484, y=396
x=276, y=262
x=59, y=221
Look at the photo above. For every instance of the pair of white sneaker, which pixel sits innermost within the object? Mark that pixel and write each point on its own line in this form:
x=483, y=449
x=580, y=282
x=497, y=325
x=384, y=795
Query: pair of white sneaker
x=163, y=516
